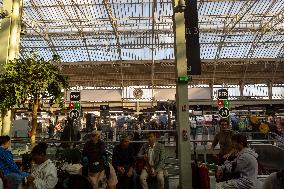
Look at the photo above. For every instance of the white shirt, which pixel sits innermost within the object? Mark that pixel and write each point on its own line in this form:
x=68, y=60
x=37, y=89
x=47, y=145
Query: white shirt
x=45, y=175
x=151, y=155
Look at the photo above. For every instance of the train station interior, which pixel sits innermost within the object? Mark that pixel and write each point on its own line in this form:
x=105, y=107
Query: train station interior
x=176, y=82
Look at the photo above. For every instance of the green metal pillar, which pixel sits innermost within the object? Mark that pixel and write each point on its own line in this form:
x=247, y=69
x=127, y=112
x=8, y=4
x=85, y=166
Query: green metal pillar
x=9, y=48
x=183, y=130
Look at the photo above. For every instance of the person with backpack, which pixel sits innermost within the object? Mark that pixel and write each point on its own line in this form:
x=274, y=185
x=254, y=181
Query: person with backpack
x=95, y=163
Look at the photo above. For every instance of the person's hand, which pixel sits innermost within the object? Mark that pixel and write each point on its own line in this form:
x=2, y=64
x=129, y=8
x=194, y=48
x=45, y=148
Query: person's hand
x=130, y=172
x=121, y=169
x=29, y=179
x=226, y=156
x=145, y=157
x=154, y=173
x=149, y=169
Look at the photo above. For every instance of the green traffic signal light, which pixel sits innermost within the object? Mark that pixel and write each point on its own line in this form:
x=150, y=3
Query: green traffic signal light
x=226, y=103
x=77, y=105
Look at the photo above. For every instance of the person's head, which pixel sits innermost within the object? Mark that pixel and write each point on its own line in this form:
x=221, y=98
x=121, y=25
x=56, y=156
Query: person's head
x=96, y=136
x=151, y=138
x=124, y=141
x=224, y=124
x=38, y=153
x=239, y=141
x=5, y=141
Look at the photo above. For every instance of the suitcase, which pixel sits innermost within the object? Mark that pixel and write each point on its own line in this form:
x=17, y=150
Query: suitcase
x=200, y=174
x=200, y=177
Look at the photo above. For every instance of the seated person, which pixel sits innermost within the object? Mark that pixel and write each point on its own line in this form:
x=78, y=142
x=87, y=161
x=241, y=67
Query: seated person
x=225, y=142
x=101, y=173
x=123, y=161
x=7, y=164
x=244, y=168
x=72, y=158
x=154, y=156
x=44, y=172
x=274, y=181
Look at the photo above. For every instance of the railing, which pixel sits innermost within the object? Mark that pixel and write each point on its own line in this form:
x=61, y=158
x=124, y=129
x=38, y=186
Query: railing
x=168, y=138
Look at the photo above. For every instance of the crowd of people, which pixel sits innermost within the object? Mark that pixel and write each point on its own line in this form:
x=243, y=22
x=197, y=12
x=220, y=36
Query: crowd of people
x=237, y=163
x=95, y=171
x=132, y=169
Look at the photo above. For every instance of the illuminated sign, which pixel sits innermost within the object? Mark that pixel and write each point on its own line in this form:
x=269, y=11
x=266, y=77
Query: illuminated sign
x=75, y=96
x=223, y=94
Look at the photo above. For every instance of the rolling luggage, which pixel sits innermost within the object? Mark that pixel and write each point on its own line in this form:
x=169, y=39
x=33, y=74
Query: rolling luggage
x=200, y=177
x=200, y=174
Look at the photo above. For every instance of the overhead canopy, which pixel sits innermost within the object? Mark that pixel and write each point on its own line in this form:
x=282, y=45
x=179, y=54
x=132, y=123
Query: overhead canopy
x=237, y=38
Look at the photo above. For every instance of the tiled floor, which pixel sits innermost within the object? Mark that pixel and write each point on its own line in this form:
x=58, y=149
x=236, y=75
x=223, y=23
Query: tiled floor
x=173, y=182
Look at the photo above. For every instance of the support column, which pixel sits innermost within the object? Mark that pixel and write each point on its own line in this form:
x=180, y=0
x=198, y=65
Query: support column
x=7, y=122
x=269, y=85
x=183, y=130
x=137, y=107
x=9, y=48
x=241, y=90
x=211, y=90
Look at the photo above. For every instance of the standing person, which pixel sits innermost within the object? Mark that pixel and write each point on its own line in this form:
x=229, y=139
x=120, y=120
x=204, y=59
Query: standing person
x=7, y=164
x=44, y=172
x=123, y=160
x=193, y=127
x=244, y=168
x=70, y=132
x=100, y=172
x=154, y=156
x=51, y=129
x=224, y=140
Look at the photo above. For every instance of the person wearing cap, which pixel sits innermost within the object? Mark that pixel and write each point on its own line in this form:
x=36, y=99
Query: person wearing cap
x=100, y=172
x=123, y=160
x=224, y=140
x=154, y=156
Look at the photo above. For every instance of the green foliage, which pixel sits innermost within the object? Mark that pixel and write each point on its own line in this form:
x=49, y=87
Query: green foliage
x=30, y=78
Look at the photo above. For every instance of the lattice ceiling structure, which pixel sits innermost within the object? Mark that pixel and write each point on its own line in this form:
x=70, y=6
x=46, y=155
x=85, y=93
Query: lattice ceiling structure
x=131, y=42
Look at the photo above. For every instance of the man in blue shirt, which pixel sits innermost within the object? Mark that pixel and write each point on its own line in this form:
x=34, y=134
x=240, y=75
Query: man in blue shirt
x=7, y=164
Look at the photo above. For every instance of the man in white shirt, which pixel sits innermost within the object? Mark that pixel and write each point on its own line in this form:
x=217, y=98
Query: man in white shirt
x=154, y=156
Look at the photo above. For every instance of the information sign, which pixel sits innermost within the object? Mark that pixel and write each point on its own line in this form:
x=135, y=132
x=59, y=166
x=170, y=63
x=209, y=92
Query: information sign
x=75, y=96
x=74, y=114
x=224, y=112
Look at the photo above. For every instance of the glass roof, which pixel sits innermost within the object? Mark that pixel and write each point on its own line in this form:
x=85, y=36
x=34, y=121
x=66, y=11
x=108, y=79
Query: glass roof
x=109, y=30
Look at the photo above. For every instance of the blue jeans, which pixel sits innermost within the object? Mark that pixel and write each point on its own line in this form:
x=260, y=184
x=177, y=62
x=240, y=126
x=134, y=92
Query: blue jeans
x=15, y=179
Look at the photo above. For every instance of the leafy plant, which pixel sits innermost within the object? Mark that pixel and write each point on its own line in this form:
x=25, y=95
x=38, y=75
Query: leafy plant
x=30, y=79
